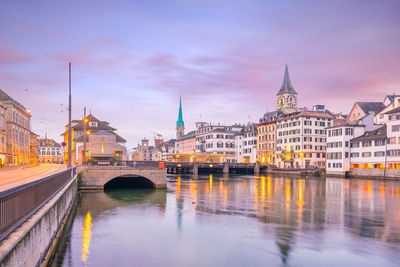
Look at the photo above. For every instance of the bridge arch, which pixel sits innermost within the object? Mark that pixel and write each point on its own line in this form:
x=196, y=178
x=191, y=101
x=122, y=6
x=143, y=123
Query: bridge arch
x=128, y=181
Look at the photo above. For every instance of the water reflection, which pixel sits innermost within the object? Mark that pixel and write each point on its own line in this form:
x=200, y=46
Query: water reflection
x=248, y=220
x=86, y=236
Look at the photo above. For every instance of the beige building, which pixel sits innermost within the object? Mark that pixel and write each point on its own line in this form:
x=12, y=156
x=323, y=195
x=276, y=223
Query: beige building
x=93, y=125
x=187, y=143
x=18, y=131
x=49, y=151
x=34, y=153
x=3, y=146
x=301, y=139
x=266, y=142
x=143, y=152
x=102, y=146
x=361, y=109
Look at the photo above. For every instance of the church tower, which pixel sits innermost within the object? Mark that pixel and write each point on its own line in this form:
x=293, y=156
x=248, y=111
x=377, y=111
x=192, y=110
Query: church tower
x=180, y=125
x=287, y=96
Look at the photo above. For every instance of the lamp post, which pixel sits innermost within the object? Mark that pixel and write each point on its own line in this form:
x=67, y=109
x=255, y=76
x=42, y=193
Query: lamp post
x=69, y=121
x=85, y=121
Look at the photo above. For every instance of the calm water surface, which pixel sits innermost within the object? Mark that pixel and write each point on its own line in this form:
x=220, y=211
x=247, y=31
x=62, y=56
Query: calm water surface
x=238, y=221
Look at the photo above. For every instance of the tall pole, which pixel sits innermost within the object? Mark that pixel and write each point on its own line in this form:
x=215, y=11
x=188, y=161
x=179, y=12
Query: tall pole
x=69, y=122
x=84, y=136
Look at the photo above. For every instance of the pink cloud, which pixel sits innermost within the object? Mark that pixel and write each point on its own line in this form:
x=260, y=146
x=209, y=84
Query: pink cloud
x=9, y=55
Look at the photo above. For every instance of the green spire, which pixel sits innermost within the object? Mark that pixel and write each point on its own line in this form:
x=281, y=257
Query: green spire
x=180, y=117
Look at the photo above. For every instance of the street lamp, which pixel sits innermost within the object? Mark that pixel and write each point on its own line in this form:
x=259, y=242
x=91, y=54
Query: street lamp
x=85, y=121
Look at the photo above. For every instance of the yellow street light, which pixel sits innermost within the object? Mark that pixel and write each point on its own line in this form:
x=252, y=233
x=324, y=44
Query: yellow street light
x=85, y=120
x=211, y=165
x=88, y=132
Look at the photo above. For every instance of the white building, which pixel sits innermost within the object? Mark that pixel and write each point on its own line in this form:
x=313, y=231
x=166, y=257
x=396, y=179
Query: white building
x=393, y=138
x=246, y=145
x=301, y=139
x=368, y=150
x=217, y=139
x=338, y=147
x=391, y=102
x=338, y=143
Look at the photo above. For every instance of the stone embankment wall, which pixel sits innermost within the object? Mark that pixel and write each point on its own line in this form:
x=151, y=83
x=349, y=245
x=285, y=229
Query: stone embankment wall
x=27, y=246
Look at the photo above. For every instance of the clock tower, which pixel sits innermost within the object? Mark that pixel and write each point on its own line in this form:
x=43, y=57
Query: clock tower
x=287, y=96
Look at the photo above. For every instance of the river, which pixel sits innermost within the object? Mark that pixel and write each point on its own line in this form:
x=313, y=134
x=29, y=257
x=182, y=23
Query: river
x=237, y=221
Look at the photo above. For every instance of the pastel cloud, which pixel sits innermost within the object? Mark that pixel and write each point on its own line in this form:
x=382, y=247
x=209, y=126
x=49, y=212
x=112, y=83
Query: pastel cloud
x=131, y=61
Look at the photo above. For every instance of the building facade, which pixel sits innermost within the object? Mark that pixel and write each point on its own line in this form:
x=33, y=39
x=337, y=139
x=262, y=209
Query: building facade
x=3, y=145
x=301, y=139
x=18, y=130
x=368, y=151
x=34, y=147
x=338, y=147
x=361, y=109
x=393, y=139
x=78, y=134
x=187, y=143
x=102, y=146
x=266, y=142
x=49, y=151
x=217, y=140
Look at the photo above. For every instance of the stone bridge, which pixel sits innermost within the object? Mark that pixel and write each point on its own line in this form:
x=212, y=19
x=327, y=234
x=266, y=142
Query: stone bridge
x=101, y=177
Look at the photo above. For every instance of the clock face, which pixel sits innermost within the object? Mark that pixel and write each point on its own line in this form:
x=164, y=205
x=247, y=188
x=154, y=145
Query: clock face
x=292, y=101
x=280, y=101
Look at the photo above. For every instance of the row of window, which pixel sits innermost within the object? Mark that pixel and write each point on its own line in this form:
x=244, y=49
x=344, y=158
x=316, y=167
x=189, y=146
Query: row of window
x=339, y=132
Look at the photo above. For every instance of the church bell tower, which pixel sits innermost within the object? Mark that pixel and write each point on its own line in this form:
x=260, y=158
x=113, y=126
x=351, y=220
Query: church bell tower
x=180, y=125
x=287, y=96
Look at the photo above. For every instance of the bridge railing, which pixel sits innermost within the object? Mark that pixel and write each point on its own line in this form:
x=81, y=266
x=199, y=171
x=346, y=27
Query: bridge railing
x=19, y=203
x=128, y=163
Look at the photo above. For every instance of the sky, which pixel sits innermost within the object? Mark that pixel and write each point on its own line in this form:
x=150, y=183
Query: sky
x=132, y=60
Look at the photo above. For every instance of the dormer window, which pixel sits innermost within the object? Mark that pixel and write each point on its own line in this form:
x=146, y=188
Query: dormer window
x=93, y=124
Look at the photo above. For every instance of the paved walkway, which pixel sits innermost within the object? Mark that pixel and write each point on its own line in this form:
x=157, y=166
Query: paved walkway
x=15, y=176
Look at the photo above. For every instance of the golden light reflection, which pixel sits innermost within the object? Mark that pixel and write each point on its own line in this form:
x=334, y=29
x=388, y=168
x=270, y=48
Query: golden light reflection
x=193, y=189
x=300, y=202
x=178, y=187
x=268, y=187
x=255, y=194
x=210, y=182
x=262, y=188
x=87, y=235
x=287, y=190
x=244, y=184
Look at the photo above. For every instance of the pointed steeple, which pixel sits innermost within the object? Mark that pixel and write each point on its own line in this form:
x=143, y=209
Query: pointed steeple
x=287, y=87
x=180, y=116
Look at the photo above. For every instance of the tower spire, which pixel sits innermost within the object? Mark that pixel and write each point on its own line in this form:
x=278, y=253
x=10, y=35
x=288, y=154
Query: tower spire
x=180, y=116
x=287, y=87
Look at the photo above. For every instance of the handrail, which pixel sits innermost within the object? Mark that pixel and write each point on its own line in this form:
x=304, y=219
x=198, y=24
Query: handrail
x=19, y=203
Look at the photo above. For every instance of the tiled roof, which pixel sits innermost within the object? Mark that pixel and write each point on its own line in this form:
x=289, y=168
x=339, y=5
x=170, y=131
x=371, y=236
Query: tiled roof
x=379, y=133
x=374, y=107
x=188, y=135
x=391, y=97
x=395, y=110
x=303, y=113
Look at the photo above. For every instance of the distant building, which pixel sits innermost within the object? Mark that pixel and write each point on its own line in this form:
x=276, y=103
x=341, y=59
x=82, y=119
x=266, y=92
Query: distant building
x=187, y=143
x=167, y=151
x=3, y=145
x=301, y=139
x=266, y=142
x=49, y=151
x=246, y=144
x=18, y=130
x=393, y=138
x=217, y=140
x=103, y=146
x=93, y=125
x=361, y=109
x=34, y=153
x=391, y=102
x=143, y=152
